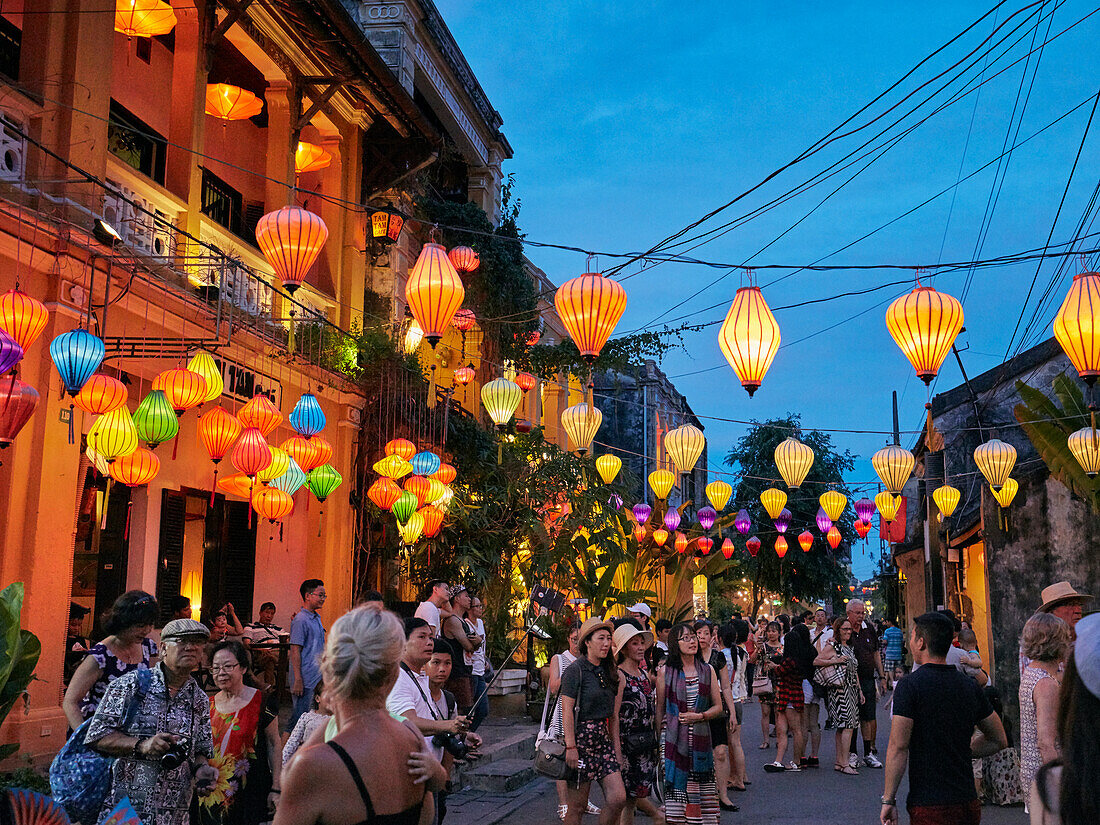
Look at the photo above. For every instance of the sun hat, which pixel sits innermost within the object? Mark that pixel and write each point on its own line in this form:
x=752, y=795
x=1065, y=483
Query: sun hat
x=624, y=633
x=591, y=626
x=641, y=607
x=1086, y=652
x=1059, y=593
x=184, y=629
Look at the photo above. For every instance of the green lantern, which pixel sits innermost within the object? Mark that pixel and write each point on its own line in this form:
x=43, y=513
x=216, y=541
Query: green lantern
x=404, y=507
x=323, y=480
x=155, y=419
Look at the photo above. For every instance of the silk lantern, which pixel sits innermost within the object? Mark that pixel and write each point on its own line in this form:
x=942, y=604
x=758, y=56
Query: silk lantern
x=323, y=481
x=412, y=529
x=706, y=517
x=947, y=499
x=753, y=546
x=684, y=445
x=672, y=519
x=525, y=381
x=615, y=501
x=780, y=546
x=404, y=507
x=995, y=458
x=862, y=528
x=893, y=464
x=805, y=540
x=307, y=418
x=433, y=291
x=464, y=320
x=138, y=468
x=608, y=466
x=384, y=492
x=100, y=394
x=774, y=500
x=272, y=503
x=251, y=453
x=727, y=548
x=444, y=503
x=261, y=414
x=660, y=536
x=204, y=364
x=464, y=259
x=292, y=479
x=228, y=102
x=794, y=460
x=783, y=520
x=433, y=520
x=749, y=337
x=155, y=419
x=18, y=401
x=183, y=388
x=823, y=521
x=385, y=225
x=392, y=466
x=436, y=490
x=446, y=473
x=77, y=354
x=704, y=543
x=639, y=533
x=1085, y=446
x=924, y=325
x=887, y=504
x=833, y=537
x=418, y=486
x=98, y=461
x=1006, y=493
x=144, y=18
x=590, y=306
x=236, y=484
x=501, y=397
x=1076, y=326
x=219, y=431
x=280, y=463
x=718, y=494
x=642, y=512
x=425, y=463
x=22, y=317
x=660, y=482
x=833, y=503
x=680, y=542
x=581, y=423
x=10, y=352
x=291, y=239
x=309, y=157
x=464, y=375
x=401, y=447
x=113, y=435
x=742, y=523
x=865, y=509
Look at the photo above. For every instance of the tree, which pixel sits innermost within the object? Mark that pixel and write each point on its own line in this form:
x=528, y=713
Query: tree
x=812, y=575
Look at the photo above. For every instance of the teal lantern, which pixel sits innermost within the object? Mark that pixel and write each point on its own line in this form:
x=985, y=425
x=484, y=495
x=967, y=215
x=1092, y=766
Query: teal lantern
x=155, y=419
x=307, y=418
x=405, y=506
x=76, y=354
x=291, y=481
x=323, y=480
x=425, y=463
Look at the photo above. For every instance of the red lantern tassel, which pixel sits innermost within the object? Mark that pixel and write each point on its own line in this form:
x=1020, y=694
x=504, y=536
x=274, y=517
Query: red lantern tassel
x=214, y=488
x=175, y=444
x=126, y=532
x=251, y=482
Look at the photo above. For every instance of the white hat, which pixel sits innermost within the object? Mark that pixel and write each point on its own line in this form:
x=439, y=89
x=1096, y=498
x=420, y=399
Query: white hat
x=1058, y=594
x=641, y=607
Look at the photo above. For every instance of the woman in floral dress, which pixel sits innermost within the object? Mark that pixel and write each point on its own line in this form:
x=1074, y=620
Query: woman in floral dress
x=246, y=745
x=635, y=708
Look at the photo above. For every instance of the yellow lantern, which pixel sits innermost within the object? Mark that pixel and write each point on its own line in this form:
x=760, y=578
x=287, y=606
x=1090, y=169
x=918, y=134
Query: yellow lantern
x=434, y=292
x=718, y=493
x=229, y=102
x=309, y=157
x=436, y=491
x=947, y=499
x=392, y=466
x=410, y=531
x=887, y=504
x=660, y=536
x=501, y=397
x=749, y=337
x=581, y=423
x=1085, y=446
x=204, y=364
x=280, y=463
x=794, y=460
x=924, y=325
x=774, y=500
x=413, y=336
x=590, y=306
x=144, y=18
x=995, y=459
x=684, y=445
x=608, y=466
x=113, y=435
x=1007, y=491
x=660, y=482
x=833, y=503
x=893, y=465
x=1076, y=328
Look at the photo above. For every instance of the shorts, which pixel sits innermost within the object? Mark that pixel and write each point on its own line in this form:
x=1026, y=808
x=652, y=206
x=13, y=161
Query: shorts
x=809, y=694
x=719, y=731
x=892, y=665
x=962, y=813
x=867, y=710
x=738, y=711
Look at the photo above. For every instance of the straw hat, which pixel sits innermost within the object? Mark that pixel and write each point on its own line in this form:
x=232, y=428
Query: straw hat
x=1059, y=593
x=591, y=626
x=627, y=632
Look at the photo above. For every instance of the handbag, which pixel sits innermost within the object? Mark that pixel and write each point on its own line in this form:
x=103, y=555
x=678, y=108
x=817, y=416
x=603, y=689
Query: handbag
x=549, y=750
x=830, y=676
x=80, y=776
x=762, y=684
x=639, y=743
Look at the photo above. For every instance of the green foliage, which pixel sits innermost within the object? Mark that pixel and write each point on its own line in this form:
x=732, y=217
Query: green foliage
x=361, y=354
x=813, y=575
x=623, y=354
x=720, y=609
x=25, y=777
x=1049, y=426
x=19, y=652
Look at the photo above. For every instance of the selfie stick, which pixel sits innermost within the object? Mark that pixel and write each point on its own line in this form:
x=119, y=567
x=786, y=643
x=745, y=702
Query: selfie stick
x=532, y=630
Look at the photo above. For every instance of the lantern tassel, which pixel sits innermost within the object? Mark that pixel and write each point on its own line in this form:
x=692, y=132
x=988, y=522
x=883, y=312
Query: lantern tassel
x=214, y=486
x=72, y=412
x=431, y=389
x=500, y=453
x=126, y=531
x=106, y=504
x=175, y=444
x=251, y=482
x=320, y=515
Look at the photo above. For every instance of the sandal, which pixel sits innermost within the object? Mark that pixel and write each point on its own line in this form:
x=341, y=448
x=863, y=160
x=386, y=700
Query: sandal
x=848, y=771
x=774, y=767
x=765, y=745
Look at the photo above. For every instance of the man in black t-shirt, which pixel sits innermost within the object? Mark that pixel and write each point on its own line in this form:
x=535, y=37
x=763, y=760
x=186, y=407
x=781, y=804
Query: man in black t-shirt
x=936, y=709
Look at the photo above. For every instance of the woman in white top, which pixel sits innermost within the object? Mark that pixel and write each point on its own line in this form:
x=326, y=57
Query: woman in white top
x=733, y=638
x=558, y=664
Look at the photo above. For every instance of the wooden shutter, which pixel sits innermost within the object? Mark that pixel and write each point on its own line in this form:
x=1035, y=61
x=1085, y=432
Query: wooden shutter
x=239, y=558
x=173, y=511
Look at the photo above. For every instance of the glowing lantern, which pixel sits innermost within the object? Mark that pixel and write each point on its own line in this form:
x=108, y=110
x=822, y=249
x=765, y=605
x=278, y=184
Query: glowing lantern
x=446, y=473
x=184, y=389
x=727, y=548
x=144, y=18
x=524, y=426
x=229, y=102
x=291, y=239
x=833, y=503
x=774, y=500
x=261, y=414
x=464, y=259
x=862, y=528
x=401, y=447
x=531, y=338
x=672, y=519
x=309, y=157
x=138, y=468
x=608, y=466
x=704, y=543
x=307, y=418
x=642, y=512
x=684, y=445
x=680, y=543
x=995, y=459
x=76, y=354
x=1007, y=492
x=893, y=465
x=639, y=534
x=660, y=536
x=113, y=435
x=464, y=375
x=794, y=459
x=436, y=490
x=753, y=546
x=924, y=325
x=425, y=463
x=324, y=453
x=433, y=291
x=404, y=507
x=251, y=452
x=718, y=493
x=412, y=529
x=280, y=463
x=100, y=394
x=706, y=516
x=237, y=484
x=218, y=431
x=501, y=397
x=272, y=503
x=806, y=540
x=433, y=520
x=10, y=352
x=413, y=336
x=204, y=364
x=418, y=486
x=823, y=521
x=444, y=502
x=98, y=461
x=292, y=480
x=385, y=225
x=383, y=492
x=18, y=402
x=749, y=337
x=833, y=537
x=780, y=546
x=1085, y=446
x=946, y=498
x=865, y=509
x=660, y=482
x=590, y=306
x=22, y=317
x=392, y=466
x=615, y=501
x=525, y=381
x=743, y=523
x=581, y=423
x=887, y=505
x=323, y=480
x=783, y=520
x=155, y=419
x=464, y=320
x=306, y=451
x=1076, y=328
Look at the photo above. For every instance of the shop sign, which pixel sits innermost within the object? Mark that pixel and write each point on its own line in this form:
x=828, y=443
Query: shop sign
x=244, y=383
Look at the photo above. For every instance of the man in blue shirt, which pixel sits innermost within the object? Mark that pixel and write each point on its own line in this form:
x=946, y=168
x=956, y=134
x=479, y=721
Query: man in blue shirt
x=894, y=651
x=307, y=641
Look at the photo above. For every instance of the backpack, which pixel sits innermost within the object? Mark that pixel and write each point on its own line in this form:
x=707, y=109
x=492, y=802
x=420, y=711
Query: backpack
x=80, y=777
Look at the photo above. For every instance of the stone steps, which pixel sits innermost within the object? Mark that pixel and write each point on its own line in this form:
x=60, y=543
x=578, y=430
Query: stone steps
x=501, y=776
x=504, y=764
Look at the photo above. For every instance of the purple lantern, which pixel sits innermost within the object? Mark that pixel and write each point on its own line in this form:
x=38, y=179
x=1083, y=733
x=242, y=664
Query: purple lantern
x=823, y=521
x=642, y=512
x=616, y=501
x=706, y=517
x=743, y=523
x=672, y=520
x=10, y=352
x=783, y=521
x=865, y=508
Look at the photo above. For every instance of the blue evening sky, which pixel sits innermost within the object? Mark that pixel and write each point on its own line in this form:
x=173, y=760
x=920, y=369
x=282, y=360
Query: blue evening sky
x=631, y=119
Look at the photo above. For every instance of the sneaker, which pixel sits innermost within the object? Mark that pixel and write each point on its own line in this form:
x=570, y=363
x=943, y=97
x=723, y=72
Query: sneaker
x=871, y=761
x=813, y=762
x=793, y=766
x=774, y=767
x=853, y=760
x=592, y=809
x=562, y=811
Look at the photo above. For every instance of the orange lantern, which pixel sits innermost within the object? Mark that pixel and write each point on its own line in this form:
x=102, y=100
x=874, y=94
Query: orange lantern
x=237, y=484
x=400, y=446
x=446, y=473
x=433, y=292
x=526, y=381
x=464, y=320
x=464, y=259
x=727, y=548
x=639, y=533
x=806, y=540
x=418, y=486
x=833, y=537
x=924, y=325
x=433, y=520
x=681, y=542
x=532, y=337
x=1075, y=326
x=272, y=503
x=862, y=529
x=185, y=388
x=139, y=467
x=218, y=431
x=228, y=102
x=251, y=453
x=464, y=375
x=309, y=157
x=781, y=547
x=22, y=317
x=144, y=18
x=324, y=452
x=101, y=394
x=263, y=415
x=304, y=452
x=590, y=306
x=291, y=239
x=384, y=492
x=660, y=536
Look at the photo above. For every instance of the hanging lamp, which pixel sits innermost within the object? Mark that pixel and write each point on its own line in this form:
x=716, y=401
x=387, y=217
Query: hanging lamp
x=718, y=494
x=893, y=464
x=865, y=509
x=204, y=364
x=672, y=519
x=412, y=529
x=309, y=157
x=753, y=546
x=307, y=418
x=774, y=500
x=155, y=419
x=113, y=435
x=464, y=259
x=684, y=445
x=660, y=482
x=805, y=540
x=433, y=291
x=660, y=536
x=404, y=506
x=501, y=397
x=783, y=520
x=704, y=544
x=218, y=431
x=401, y=447
x=727, y=548
x=98, y=461
x=464, y=320
x=794, y=460
x=608, y=466
x=292, y=480
x=749, y=337
x=525, y=381
x=433, y=520
x=323, y=480
x=236, y=484
x=680, y=542
x=1006, y=493
x=100, y=394
x=464, y=375
x=392, y=466
x=425, y=463
x=324, y=455
x=780, y=546
x=862, y=528
x=823, y=521
x=228, y=102
x=22, y=317
x=251, y=453
x=184, y=388
x=77, y=355
x=144, y=18
x=260, y=413
x=995, y=458
x=833, y=537
x=305, y=451
x=642, y=512
x=291, y=239
x=1077, y=328
x=18, y=401
x=742, y=523
x=924, y=325
x=581, y=423
x=446, y=473
x=272, y=503
x=639, y=533
x=383, y=492
x=138, y=468
x=1085, y=446
x=833, y=503
x=436, y=490
x=10, y=352
x=706, y=517
x=418, y=486
x=590, y=306
x=947, y=499
x=280, y=463
x=887, y=504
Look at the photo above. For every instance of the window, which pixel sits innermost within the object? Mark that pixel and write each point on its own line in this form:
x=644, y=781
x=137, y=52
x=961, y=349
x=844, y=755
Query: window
x=10, y=39
x=221, y=202
x=135, y=144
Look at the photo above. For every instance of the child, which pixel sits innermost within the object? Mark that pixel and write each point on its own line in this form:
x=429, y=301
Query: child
x=308, y=722
x=438, y=671
x=971, y=664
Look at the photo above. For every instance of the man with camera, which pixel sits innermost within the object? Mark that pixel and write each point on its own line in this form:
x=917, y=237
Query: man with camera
x=163, y=750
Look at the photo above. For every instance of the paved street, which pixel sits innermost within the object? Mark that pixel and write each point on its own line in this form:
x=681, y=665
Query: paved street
x=820, y=797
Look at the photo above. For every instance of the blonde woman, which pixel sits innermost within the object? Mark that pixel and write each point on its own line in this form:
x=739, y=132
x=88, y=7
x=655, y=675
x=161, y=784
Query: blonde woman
x=1046, y=642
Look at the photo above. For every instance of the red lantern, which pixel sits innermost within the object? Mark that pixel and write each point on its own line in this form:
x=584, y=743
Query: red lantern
x=139, y=467
x=524, y=426
x=464, y=375
x=384, y=492
x=753, y=546
x=218, y=431
x=433, y=520
x=833, y=537
x=272, y=503
x=532, y=337
x=781, y=547
x=526, y=381
x=681, y=542
x=446, y=473
x=418, y=486
x=251, y=453
x=639, y=533
x=18, y=401
x=101, y=394
x=727, y=548
x=22, y=317
x=305, y=451
x=464, y=320
x=863, y=528
x=291, y=239
x=185, y=389
x=400, y=446
x=433, y=291
x=806, y=540
x=261, y=414
x=704, y=544
x=464, y=260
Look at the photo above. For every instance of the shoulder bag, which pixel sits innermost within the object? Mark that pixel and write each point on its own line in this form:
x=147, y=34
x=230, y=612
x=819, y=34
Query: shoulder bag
x=762, y=682
x=638, y=742
x=549, y=750
x=830, y=676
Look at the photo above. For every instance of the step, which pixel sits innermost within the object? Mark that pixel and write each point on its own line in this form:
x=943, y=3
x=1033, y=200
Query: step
x=501, y=776
x=511, y=680
x=519, y=746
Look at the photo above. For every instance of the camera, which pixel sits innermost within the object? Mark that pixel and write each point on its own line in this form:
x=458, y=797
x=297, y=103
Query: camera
x=175, y=755
x=452, y=743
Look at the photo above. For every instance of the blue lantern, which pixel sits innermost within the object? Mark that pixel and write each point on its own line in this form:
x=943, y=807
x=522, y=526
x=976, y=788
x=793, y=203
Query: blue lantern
x=307, y=418
x=425, y=463
x=77, y=355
